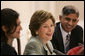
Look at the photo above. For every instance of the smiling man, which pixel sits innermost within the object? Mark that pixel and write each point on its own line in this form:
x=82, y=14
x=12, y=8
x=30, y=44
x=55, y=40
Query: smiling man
x=67, y=26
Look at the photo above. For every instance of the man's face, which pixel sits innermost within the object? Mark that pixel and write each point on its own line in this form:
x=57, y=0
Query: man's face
x=68, y=22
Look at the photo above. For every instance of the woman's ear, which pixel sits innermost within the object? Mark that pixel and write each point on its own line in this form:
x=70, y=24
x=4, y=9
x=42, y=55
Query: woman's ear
x=4, y=28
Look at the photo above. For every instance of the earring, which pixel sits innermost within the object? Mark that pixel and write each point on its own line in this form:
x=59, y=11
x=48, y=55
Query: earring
x=36, y=33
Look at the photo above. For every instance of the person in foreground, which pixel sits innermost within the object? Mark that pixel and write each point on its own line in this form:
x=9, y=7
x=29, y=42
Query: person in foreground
x=67, y=33
x=10, y=29
x=41, y=25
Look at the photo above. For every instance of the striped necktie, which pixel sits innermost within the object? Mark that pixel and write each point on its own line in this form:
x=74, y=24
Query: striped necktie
x=67, y=43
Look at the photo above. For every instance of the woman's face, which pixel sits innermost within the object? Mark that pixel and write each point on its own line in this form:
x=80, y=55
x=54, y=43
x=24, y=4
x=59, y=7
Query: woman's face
x=46, y=30
x=16, y=34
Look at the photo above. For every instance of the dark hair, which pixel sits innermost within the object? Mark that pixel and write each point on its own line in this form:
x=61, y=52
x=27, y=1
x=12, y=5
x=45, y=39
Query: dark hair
x=70, y=10
x=9, y=20
x=38, y=18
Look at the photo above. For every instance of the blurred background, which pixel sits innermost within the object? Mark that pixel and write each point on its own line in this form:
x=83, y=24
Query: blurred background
x=27, y=8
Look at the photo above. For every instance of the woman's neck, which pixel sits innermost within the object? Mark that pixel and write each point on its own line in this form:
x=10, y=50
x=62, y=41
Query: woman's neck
x=10, y=40
x=44, y=41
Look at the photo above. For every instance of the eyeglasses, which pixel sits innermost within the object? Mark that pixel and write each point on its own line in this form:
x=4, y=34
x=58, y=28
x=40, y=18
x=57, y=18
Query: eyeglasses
x=69, y=19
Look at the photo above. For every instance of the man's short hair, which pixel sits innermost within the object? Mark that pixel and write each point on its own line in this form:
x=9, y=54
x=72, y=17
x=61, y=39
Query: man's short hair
x=70, y=10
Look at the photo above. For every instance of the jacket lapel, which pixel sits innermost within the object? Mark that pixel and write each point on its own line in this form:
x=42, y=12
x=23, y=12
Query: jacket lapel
x=59, y=37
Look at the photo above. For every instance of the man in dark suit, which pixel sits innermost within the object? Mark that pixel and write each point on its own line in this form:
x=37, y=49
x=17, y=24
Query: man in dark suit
x=67, y=25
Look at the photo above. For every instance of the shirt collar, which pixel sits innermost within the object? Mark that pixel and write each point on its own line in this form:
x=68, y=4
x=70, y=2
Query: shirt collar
x=64, y=33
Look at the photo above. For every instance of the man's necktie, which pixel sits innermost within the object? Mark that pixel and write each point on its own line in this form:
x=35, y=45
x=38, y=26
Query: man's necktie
x=67, y=43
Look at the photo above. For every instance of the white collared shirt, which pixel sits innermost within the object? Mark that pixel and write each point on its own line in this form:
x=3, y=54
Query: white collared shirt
x=64, y=34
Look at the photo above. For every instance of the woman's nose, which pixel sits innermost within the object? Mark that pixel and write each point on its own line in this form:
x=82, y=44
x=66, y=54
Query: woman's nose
x=20, y=27
x=49, y=29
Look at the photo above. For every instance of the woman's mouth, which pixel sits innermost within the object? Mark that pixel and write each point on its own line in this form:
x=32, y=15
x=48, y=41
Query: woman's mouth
x=18, y=32
x=49, y=34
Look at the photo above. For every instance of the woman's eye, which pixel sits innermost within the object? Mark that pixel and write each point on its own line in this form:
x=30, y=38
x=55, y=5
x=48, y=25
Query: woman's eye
x=45, y=26
x=52, y=25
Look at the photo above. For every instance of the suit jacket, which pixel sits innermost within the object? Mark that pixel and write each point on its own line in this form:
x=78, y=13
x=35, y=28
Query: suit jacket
x=35, y=46
x=7, y=50
x=75, y=38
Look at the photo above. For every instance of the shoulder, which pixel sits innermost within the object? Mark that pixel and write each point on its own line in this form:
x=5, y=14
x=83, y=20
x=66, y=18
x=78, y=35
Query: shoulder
x=7, y=50
x=33, y=43
x=5, y=46
x=57, y=26
x=57, y=29
x=33, y=47
x=78, y=28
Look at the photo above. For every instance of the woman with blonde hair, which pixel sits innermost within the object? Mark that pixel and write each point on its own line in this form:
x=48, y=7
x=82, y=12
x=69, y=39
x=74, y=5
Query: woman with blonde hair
x=41, y=25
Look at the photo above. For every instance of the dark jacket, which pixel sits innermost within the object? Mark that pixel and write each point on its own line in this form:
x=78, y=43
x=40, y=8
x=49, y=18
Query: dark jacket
x=75, y=38
x=7, y=50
